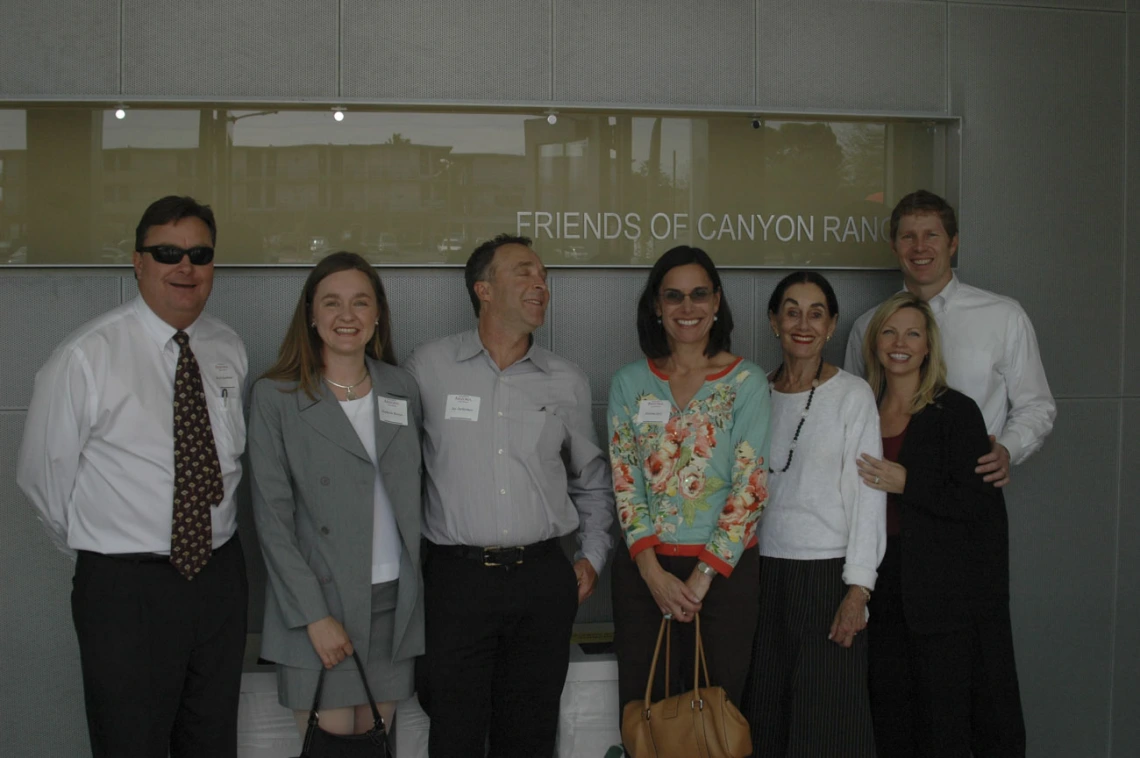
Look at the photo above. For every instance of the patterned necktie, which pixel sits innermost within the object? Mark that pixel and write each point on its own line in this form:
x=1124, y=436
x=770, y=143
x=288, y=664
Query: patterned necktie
x=197, y=473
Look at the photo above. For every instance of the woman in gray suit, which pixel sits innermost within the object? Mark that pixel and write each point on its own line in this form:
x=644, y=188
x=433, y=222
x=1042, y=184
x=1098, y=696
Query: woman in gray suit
x=334, y=446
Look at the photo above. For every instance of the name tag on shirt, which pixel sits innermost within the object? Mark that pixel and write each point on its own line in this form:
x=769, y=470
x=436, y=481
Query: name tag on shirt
x=462, y=407
x=392, y=410
x=653, y=412
x=226, y=379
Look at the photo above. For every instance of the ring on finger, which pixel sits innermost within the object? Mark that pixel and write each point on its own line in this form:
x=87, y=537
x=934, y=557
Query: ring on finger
x=876, y=480
x=669, y=616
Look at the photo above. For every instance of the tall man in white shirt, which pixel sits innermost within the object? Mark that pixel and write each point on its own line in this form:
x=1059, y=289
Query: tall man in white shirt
x=991, y=355
x=512, y=464
x=131, y=456
x=988, y=343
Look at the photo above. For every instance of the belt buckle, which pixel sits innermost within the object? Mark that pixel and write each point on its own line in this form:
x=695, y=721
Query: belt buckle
x=502, y=556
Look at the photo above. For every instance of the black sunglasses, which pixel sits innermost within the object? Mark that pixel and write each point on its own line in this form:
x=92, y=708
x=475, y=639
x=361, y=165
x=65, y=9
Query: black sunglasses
x=170, y=254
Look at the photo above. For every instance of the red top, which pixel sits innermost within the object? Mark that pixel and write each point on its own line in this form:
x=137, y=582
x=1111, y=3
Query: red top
x=891, y=448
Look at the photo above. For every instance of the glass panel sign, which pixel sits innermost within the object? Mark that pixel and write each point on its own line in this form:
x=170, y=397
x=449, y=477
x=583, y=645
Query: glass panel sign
x=405, y=188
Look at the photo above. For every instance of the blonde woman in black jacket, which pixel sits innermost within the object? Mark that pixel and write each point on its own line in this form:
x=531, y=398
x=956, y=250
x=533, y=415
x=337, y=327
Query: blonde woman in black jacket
x=943, y=680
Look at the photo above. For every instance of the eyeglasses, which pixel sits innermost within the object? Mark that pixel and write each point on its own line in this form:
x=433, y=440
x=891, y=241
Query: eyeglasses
x=698, y=296
x=171, y=254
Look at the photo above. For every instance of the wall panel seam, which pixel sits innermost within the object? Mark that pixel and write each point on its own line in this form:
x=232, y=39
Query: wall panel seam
x=553, y=52
x=340, y=48
x=1032, y=6
x=756, y=54
x=1120, y=411
x=122, y=46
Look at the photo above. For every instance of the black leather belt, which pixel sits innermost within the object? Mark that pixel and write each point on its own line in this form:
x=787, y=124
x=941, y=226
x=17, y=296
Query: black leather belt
x=497, y=556
x=145, y=557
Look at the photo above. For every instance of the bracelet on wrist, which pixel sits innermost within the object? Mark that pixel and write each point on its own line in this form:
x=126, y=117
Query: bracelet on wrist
x=866, y=592
x=706, y=569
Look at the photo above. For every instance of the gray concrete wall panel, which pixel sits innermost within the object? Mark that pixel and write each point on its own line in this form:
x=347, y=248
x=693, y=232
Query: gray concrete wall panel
x=1062, y=529
x=495, y=51
x=65, y=48
x=40, y=310
x=1042, y=178
x=41, y=710
x=1126, y=675
x=670, y=52
x=597, y=316
x=861, y=55
x=215, y=48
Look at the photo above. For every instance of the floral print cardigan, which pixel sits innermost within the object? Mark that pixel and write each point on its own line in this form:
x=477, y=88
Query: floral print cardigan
x=696, y=484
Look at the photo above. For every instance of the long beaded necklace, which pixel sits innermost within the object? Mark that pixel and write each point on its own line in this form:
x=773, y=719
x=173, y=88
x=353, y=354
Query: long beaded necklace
x=803, y=416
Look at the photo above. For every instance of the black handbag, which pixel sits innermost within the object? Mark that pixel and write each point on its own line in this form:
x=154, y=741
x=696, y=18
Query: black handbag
x=320, y=744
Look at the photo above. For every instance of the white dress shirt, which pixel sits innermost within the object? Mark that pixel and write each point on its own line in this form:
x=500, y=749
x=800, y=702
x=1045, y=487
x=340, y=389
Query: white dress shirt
x=97, y=458
x=991, y=355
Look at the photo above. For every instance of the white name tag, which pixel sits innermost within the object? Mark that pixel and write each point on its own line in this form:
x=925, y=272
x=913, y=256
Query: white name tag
x=653, y=412
x=226, y=379
x=392, y=410
x=462, y=407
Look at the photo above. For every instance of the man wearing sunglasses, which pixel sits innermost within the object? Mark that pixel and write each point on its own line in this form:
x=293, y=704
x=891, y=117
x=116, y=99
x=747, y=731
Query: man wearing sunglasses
x=131, y=456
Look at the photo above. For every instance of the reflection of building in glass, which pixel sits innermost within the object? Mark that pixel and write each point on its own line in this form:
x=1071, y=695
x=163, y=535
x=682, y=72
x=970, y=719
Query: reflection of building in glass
x=385, y=201
x=131, y=179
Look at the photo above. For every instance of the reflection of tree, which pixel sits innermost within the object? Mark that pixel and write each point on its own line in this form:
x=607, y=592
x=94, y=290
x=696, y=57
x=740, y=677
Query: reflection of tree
x=864, y=161
x=398, y=139
x=801, y=159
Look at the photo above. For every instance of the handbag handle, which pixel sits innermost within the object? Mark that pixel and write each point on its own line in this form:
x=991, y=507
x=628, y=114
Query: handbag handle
x=699, y=656
x=653, y=666
x=377, y=721
x=665, y=632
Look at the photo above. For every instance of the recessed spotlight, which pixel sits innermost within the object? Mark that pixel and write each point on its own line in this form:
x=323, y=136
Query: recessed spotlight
x=338, y=112
x=121, y=112
x=551, y=118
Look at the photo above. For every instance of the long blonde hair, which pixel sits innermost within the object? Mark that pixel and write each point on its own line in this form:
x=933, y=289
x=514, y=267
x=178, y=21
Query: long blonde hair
x=932, y=373
x=299, y=358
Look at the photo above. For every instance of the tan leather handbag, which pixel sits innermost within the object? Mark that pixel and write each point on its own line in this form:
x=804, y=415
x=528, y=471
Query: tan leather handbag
x=701, y=723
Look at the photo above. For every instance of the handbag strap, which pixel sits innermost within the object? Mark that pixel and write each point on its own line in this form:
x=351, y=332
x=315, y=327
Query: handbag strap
x=653, y=666
x=699, y=656
x=377, y=721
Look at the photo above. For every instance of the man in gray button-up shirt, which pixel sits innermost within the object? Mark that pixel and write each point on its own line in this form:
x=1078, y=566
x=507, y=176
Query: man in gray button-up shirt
x=512, y=464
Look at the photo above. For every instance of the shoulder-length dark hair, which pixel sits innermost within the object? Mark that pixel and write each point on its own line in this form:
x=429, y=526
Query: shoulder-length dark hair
x=650, y=332
x=299, y=358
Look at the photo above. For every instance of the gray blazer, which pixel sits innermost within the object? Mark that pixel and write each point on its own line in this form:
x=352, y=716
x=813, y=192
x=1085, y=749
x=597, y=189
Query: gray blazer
x=313, y=506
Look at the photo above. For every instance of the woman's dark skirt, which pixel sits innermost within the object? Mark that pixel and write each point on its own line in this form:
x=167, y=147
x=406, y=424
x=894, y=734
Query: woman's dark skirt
x=806, y=696
x=728, y=620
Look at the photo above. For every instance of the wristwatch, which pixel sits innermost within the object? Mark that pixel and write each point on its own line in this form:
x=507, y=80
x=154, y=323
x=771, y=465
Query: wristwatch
x=706, y=569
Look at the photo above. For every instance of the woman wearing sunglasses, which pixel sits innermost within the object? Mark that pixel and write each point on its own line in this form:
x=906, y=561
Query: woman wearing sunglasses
x=821, y=541
x=334, y=447
x=688, y=431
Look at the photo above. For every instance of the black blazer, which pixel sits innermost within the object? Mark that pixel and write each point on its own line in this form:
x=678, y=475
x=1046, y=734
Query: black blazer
x=954, y=532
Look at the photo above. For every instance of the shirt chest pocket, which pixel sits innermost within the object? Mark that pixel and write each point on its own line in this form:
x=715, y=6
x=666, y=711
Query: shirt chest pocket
x=227, y=421
x=541, y=435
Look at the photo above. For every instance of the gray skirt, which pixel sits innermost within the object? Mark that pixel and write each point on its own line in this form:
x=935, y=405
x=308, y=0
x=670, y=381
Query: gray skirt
x=342, y=688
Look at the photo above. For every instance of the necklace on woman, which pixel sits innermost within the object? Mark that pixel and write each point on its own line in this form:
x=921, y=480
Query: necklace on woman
x=803, y=416
x=348, y=388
